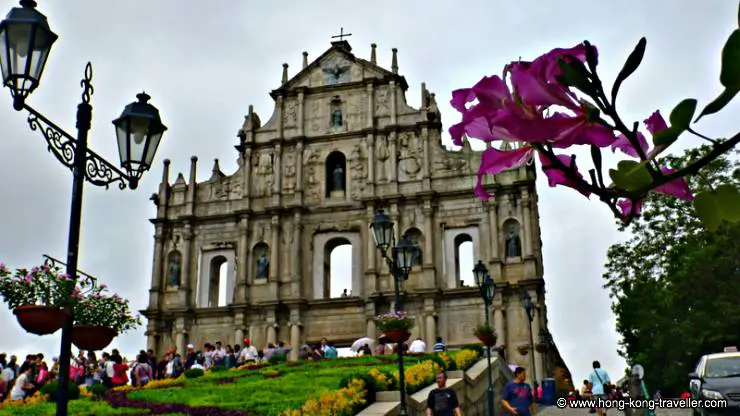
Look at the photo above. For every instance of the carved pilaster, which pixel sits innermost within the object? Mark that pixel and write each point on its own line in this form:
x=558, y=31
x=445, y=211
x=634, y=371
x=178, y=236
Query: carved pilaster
x=526, y=218
x=295, y=258
x=158, y=259
x=370, y=106
x=370, y=140
x=493, y=229
x=301, y=116
x=247, y=173
x=299, y=167
x=274, y=247
x=428, y=211
x=394, y=107
x=277, y=169
x=187, y=248
x=242, y=261
x=279, y=114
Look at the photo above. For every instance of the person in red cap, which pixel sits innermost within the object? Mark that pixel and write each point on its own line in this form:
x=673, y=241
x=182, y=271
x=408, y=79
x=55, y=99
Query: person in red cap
x=248, y=353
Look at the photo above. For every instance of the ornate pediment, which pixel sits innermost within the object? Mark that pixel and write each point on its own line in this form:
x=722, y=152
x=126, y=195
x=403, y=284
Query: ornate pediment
x=337, y=66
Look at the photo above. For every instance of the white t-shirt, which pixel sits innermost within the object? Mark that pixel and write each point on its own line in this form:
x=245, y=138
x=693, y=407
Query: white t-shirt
x=197, y=366
x=18, y=393
x=170, y=367
x=109, y=371
x=417, y=346
x=7, y=375
x=248, y=353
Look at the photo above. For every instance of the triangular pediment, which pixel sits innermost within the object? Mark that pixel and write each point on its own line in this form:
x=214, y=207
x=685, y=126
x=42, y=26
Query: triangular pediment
x=336, y=66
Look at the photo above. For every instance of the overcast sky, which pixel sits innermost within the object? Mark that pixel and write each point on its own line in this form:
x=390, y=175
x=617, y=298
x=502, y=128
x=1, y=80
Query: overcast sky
x=206, y=62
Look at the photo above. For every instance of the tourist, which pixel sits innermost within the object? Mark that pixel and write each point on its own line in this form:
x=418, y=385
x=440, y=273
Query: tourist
x=269, y=351
x=22, y=385
x=190, y=356
x=440, y=346
x=442, y=401
x=516, y=396
x=248, y=353
x=330, y=351
x=120, y=368
x=142, y=371
x=229, y=358
x=599, y=380
x=198, y=365
x=418, y=346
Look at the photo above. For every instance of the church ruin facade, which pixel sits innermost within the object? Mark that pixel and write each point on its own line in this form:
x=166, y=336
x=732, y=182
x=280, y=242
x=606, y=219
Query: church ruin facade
x=247, y=254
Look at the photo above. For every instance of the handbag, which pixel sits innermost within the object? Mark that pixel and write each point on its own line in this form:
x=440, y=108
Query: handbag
x=607, y=387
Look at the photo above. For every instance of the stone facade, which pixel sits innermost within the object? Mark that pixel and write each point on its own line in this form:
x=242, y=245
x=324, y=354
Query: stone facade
x=341, y=143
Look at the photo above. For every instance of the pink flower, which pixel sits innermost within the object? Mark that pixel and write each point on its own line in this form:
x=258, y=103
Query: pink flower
x=557, y=177
x=28, y=278
x=626, y=207
x=654, y=124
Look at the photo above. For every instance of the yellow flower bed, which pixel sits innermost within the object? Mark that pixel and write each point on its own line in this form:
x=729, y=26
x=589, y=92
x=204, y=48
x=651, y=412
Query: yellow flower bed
x=36, y=398
x=447, y=359
x=382, y=379
x=84, y=392
x=333, y=403
x=420, y=375
x=465, y=359
x=153, y=384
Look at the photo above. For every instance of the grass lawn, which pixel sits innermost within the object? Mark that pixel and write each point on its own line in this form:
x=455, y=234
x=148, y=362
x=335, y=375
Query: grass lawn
x=256, y=391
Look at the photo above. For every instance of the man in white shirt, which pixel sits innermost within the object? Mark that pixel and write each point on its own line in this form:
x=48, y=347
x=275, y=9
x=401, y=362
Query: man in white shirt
x=418, y=346
x=248, y=353
x=22, y=384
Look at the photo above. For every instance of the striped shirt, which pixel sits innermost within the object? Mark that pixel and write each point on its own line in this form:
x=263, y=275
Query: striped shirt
x=439, y=347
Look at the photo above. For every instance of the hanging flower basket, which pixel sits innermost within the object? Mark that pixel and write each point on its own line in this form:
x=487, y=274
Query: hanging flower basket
x=540, y=348
x=40, y=320
x=397, y=335
x=523, y=349
x=92, y=337
x=486, y=334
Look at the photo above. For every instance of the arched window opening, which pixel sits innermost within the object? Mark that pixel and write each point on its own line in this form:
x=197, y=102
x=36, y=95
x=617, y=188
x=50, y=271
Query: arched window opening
x=218, y=278
x=464, y=260
x=336, y=174
x=261, y=266
x=337, y=268
x=415, y=235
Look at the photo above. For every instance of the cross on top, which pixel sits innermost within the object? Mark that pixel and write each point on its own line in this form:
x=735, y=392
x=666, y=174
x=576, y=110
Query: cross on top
x=341, y=35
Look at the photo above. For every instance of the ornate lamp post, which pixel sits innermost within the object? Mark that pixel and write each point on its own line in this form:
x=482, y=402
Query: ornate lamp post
x=529, y=308
x=26, y=40
x=547, y=343
x=486, y=286
x=403, y=257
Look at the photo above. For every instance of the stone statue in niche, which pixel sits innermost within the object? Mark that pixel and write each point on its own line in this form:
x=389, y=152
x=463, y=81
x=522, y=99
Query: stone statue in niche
x=338, y=179
x=263, y=266
x=513, y=242
x=410, y=154
x=336, y=118
x=174, y=269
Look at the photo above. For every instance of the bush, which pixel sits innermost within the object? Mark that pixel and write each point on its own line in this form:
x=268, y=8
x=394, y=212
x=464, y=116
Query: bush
x=444, y=365
x=277, y=359
x=475, y=347
x=194, y=373
x=97, y=390
x=51, y=390
x=217, y=368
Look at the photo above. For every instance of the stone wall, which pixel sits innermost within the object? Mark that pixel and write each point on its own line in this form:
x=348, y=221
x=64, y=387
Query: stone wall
x=471, y=387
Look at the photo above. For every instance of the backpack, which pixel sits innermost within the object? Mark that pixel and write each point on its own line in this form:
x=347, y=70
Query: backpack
x=142, y=370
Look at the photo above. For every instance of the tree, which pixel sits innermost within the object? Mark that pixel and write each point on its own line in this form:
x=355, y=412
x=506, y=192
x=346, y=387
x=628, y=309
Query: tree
x=674, y=285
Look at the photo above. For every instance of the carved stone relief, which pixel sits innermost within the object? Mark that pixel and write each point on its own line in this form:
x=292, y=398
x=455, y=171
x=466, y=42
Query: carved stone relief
x=290, y=114
x=409, y=155
x=289, y=174
x=316, y=116
x=312, y=163
x=382, y=106
x=383, y=153
x=356, y=113
x=358, y=171
x=263, y=172
x=226, y=189
x=357, y=73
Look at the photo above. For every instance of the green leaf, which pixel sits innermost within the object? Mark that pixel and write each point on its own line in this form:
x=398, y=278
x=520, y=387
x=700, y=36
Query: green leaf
x=630, y=66
x=730, y=74
x=631, y=175
x=683, y=113
x=708, y=210
x=665, y=138
x=728, y=199
x=719, y=103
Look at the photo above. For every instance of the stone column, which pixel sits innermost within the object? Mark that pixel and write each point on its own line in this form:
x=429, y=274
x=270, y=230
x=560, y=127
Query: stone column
x=187, y=247
x=279, y=115
x=535, y=335
x=394, y=107
x=431, y=331
x=301, y=117
x=395, y=217
x=370, y=106
x=247, y=173
x=370, y=319
x=427, y=160
x=242, y=261
x=180, y=335
x=299, y=167
x=274, y=247
x=498, y=324
x=151, y=336
x=295, y=340
x=370, y=152
x=428, y=211
x=527, y=232
x=238, y=336
x=393, y=174
x=295, y=258
x=493, y=228
x=157, y=270
x=271, y=324
x=277, y=168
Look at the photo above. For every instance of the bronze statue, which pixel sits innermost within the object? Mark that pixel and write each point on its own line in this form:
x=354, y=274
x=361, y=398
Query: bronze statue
x=263, y=266
x=336, y=118
x=174, y=269
x=513, y=243
x=338, y=182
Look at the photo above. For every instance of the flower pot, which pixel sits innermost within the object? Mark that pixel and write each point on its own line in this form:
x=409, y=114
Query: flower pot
x=40, y=320
x=398, y=335
x=487, y=339
x=540, y=348
x=92, y=337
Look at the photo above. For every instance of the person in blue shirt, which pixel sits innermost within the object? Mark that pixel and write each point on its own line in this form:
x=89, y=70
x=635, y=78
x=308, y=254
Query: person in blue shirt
x=330, y=351
x=517, y=396
x=598, y=378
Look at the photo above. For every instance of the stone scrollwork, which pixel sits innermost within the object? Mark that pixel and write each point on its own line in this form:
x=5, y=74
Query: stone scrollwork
x=289, y=174
x=409, y=154
x=358, y=171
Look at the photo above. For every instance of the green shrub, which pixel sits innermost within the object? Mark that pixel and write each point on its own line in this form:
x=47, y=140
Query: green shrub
x=440, y=361
x=194, y=373
x=217, y=368
x=475, y=347
x=51, y=390
x=97, y=390
x=277, y=359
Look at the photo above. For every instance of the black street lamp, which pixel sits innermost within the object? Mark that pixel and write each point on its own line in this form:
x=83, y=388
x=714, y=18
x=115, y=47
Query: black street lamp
x=403, y=257
x=487, y=287
x=25, y=43
x=547, y=343
x=529, y=308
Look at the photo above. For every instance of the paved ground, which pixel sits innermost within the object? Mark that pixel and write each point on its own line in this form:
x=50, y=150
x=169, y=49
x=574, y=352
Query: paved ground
x=553, y=411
